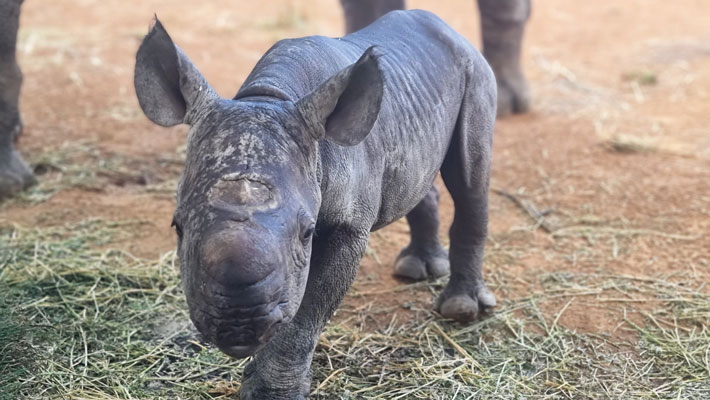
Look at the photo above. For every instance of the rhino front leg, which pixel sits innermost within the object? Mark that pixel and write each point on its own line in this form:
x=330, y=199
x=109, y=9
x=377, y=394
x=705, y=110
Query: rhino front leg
x=281, y=370
x=425, y=257
x=502, y=26
x=15, y=175
x=361, y=13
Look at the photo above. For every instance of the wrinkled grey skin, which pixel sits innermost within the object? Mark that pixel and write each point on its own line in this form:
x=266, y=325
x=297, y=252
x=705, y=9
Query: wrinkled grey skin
x=502, y=25
x=15, y=175
x=326, y=141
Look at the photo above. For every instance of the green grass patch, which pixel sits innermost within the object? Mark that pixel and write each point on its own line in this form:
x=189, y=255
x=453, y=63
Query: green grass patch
x=78, y=320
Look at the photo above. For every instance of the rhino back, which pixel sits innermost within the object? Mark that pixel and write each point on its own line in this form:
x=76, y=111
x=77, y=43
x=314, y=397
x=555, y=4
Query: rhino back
x=425, y=65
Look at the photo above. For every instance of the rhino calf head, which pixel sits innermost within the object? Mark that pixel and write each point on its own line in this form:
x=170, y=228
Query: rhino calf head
x=249, y=196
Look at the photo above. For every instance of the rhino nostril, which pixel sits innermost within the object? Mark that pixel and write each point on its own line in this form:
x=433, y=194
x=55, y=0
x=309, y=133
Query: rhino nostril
x=276, y=316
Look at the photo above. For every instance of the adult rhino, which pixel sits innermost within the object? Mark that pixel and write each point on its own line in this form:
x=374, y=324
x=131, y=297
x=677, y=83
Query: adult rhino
x=326, y=141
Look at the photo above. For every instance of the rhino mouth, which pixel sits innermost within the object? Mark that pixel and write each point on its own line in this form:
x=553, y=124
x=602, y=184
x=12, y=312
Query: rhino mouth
x=246, y=350
x=240, y=335
x=240, y=351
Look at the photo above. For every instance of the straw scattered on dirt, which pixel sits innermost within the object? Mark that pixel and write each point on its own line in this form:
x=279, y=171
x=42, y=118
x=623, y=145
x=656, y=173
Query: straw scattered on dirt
x=85, y=166
x=79, y=319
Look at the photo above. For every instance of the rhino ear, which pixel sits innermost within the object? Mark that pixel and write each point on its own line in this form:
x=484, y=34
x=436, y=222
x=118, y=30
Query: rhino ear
x=169, y=87
x=345, y=107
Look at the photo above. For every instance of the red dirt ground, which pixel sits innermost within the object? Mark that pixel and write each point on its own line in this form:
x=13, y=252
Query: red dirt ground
x=635, y=73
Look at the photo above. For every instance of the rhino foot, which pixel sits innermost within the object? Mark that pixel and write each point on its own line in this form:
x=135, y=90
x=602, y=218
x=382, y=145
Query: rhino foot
x=513, y=93
x=465, y=305
x=421, y=265
x=15, y=174
x=257, y=385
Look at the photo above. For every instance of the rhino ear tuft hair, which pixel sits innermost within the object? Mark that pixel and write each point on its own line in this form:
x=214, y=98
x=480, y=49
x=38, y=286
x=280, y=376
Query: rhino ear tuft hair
x=344, y=108
x=169, y=87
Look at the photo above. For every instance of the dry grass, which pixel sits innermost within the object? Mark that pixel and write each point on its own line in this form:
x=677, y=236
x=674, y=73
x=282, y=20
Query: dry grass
x=79, y=321
x=85, y=166
x=643, y=77
x=629, y=144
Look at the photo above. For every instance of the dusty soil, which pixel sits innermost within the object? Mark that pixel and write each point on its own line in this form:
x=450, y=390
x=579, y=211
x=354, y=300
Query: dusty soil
x=616, y=151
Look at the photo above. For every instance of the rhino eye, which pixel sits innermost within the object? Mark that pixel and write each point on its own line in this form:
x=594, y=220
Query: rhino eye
x=178, y=228
x=309, y=232
x=308, y=227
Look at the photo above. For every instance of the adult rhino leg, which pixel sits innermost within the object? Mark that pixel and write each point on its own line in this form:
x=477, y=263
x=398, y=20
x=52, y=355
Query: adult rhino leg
x=361, y=13
x=424, y=257
x=281, y=370
x=15, y=175
x=503, y=25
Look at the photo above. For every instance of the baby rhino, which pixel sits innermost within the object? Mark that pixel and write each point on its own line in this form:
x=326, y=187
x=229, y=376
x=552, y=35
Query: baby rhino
x=326, y=141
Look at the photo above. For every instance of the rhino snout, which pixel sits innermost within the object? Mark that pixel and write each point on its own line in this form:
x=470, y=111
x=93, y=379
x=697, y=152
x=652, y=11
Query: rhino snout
x=239, y=293
x=240, y=319
x=260, y=331
x=237, y=258
x=239, y=335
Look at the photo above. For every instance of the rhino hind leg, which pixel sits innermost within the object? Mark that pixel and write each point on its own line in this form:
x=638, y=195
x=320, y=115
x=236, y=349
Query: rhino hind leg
x=424, y=257
x=466, y=174
x=502, y=26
